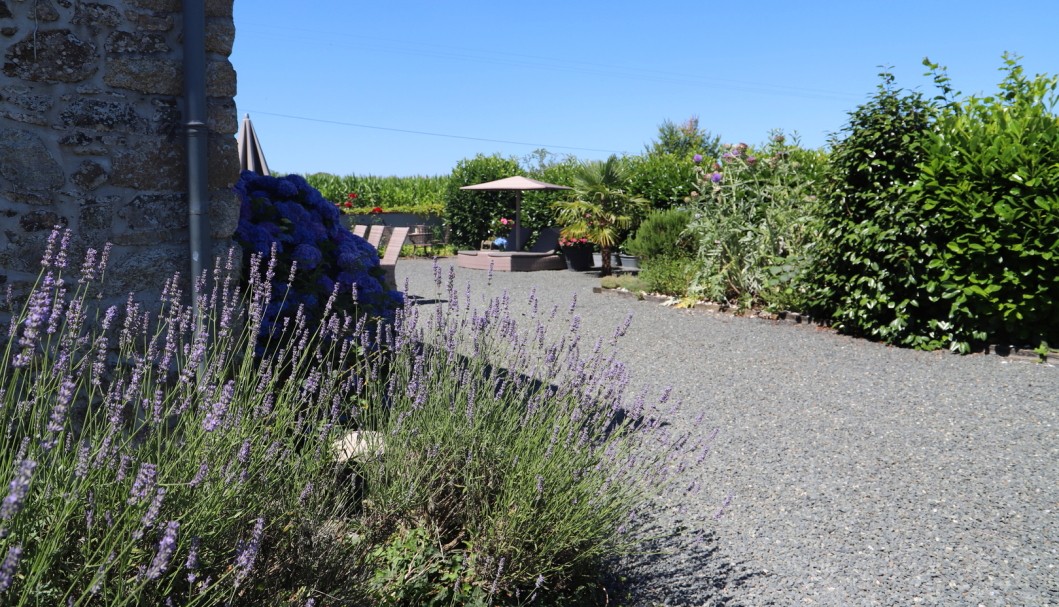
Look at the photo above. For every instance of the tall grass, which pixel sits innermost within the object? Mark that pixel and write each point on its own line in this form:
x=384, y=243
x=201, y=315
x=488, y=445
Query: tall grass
x=152, y=459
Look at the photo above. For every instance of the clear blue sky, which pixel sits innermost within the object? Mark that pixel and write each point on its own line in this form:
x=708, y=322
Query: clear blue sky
x=589, y=78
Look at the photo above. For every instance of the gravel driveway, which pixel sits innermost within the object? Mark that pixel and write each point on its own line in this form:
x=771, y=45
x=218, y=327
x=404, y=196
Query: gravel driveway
x=859, y=474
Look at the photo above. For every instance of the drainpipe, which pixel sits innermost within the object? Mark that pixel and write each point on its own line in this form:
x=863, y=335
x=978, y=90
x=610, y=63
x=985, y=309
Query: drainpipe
x=197, y=130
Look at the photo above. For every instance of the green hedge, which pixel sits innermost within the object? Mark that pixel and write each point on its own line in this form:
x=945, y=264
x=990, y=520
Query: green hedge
x=941, y=226
x=469, y=213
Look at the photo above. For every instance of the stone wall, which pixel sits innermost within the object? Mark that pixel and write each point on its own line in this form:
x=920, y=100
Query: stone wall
x=92, y=137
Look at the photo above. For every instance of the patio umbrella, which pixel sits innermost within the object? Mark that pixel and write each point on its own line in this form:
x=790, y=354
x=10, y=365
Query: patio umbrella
x=516, y=184
x=251, y=158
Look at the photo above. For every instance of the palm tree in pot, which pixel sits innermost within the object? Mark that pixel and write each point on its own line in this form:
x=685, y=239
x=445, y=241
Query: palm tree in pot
x=601, y=210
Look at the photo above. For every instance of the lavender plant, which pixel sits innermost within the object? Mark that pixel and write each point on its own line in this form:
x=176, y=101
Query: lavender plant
x=152, y=459
x=513, y=468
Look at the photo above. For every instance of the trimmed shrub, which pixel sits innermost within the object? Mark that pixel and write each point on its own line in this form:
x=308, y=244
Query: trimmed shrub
x=940, y=226
x=669, y=275
x=988, y=190
x=873, y=247
x=664, y=179
x=662, y=234
x=305, y=229
x=470, y=213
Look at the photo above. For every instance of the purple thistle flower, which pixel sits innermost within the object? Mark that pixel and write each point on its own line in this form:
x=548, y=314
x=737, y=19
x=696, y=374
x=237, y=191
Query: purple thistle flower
x=697, y=158
x=716, y=178
x=9, y=566
x=17, y=490
x=144, y=483
x=246, y=552
x=166, y=547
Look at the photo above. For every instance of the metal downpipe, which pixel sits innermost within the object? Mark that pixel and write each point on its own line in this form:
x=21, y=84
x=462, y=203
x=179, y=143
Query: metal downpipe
x=197, y=129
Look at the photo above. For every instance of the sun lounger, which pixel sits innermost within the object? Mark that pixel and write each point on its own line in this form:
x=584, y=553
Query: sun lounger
x=389, y=259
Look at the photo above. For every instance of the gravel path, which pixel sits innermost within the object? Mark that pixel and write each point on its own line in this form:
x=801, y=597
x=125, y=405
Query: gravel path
x=859, y=474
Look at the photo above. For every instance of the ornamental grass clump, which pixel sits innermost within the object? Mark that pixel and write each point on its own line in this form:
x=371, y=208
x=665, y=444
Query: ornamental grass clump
x=514, y=469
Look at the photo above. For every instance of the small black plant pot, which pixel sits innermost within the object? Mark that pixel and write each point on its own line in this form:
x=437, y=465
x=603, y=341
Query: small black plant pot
x=578, y=259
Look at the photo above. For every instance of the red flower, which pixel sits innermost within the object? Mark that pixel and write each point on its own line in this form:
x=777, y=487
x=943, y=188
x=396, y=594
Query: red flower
x=376, y=210
x=349, y=204
x=352, y=195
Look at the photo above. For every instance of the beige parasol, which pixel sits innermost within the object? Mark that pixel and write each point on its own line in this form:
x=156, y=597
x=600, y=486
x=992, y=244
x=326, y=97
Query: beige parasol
x=516, y=184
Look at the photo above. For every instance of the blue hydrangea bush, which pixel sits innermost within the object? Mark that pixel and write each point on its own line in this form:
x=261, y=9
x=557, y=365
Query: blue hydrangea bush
x=317, y=256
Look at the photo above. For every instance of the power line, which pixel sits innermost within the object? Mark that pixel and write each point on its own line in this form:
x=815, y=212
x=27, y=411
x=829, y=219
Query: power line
x=384, y=128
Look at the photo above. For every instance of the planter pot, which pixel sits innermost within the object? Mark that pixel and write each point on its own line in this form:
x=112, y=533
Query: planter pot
x=597, y=260
x=629, y=262
x=578, y=259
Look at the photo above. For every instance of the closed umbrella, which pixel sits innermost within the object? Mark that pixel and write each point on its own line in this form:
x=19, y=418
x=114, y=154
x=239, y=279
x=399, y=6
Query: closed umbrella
x=251, y=157
x=516, y=184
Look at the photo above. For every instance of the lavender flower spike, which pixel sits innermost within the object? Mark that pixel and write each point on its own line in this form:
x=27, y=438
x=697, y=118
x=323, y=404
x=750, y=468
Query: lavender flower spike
x=8, y=567
x=17, y=490
x=246, y=552
x=166, y=547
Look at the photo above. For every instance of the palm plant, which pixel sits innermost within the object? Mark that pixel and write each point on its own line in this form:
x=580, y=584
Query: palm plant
x=601, y=210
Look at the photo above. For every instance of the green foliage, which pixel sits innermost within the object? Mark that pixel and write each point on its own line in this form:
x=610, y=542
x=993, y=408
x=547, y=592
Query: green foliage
x=685, y=140
x=873, y=244
x=469, y=213
x=662, y=234
x=538, y=207
x=411, y=568
x=664, y=179
x=623, y=281
x=602, y=210
x=940, y=226
x=153, y=441
x=493, y=484
x=668, y=275
x=149, y=460
x=989, y=189
x=420, y=194
x=752, y=212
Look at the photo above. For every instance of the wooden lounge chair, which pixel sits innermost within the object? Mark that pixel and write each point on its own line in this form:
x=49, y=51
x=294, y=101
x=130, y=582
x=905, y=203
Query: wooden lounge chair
x=360, y=230
x=375, y=235
x=389, y=260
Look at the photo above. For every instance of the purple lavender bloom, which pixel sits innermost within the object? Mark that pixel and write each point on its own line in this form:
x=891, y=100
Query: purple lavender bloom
x=151, y=515
x=144, y=483
x=9, y=566
x=246, y=552
x=17, y=490
x=697, y=158
x=219, y=410
x=716, y=178
x=192, y=564
x=200, y=475
x=166, y=547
